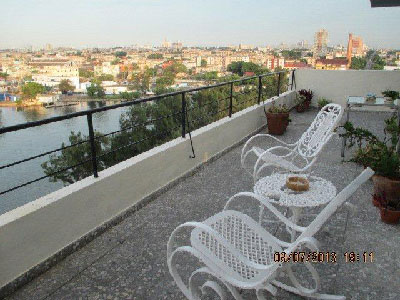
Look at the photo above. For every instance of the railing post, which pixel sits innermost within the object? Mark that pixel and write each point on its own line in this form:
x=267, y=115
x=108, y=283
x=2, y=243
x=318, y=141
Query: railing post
x=279, y=84
x=293, y=80
x=230, y=101
x=259, y=89
x=183, y=115
x=92, y=145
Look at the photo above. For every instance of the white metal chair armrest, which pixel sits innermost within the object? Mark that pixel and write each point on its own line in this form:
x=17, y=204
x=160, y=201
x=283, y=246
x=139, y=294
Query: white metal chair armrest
x=265, y=202
x=310, y=242
x=244, y=152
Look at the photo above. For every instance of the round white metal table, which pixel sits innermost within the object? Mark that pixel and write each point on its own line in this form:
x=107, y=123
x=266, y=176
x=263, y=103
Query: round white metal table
x=274, y=188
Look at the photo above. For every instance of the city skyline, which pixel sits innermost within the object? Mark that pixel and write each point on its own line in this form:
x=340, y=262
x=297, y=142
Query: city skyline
x=125, y=23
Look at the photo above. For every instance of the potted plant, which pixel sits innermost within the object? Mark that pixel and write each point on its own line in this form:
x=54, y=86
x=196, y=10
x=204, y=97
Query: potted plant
x=277, y=118
x=304, y=99
x=391, y=95
x=382, y=157
x=322, y=102
x=370, y=97
x=301, y=105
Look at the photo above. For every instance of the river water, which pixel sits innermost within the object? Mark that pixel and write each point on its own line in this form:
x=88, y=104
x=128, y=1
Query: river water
x=24, y=143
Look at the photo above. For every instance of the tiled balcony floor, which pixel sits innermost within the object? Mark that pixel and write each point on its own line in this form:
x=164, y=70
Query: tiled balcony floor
x=129, y=260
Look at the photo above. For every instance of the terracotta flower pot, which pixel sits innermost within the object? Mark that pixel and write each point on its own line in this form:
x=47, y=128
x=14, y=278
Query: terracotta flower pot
x=300, y=107
x=387, y=190
x=375, y=200
x=307, y=104
x=390, y=216
x=277, y=122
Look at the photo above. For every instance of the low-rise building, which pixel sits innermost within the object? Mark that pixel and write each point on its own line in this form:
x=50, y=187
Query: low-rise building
x=47, y=99
x=293, y=65
x=332, y=64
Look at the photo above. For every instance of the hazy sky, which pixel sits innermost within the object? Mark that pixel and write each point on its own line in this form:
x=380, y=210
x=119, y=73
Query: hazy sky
x=81, y=23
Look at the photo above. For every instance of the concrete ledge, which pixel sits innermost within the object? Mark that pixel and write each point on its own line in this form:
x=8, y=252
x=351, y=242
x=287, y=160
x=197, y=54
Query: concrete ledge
x=37, y=235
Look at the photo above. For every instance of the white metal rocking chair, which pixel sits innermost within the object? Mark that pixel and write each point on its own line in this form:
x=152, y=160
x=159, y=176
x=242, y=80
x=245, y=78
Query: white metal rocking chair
x=239, y=253
x=298, y=157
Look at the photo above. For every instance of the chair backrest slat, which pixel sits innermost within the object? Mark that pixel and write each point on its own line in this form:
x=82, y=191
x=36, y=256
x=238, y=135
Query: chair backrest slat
x=331, y=208
x=314, y=138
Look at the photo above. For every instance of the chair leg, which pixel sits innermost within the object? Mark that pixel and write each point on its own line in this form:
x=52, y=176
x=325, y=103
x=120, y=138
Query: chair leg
x=296, y=291
x=213, y=285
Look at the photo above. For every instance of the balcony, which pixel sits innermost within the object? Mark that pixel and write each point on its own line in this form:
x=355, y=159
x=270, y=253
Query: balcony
x=122, y=249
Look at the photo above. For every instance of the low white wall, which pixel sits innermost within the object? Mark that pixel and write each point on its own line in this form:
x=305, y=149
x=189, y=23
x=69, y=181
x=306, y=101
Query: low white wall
x=36, y=231
x=338, y=85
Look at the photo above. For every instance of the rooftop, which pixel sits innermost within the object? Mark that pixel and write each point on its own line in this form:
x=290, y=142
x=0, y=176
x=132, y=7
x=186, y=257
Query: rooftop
x=128, y=261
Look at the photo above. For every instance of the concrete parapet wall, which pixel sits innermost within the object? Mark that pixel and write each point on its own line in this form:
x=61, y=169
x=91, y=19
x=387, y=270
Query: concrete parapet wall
x=337, y=86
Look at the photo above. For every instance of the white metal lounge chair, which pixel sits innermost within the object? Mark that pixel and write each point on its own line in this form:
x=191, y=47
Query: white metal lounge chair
x=298, y=157
x=239, y=254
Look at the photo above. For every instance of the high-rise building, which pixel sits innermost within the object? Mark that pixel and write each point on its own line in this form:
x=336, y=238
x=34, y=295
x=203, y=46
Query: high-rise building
x=177, y=46
x=355, y=46
x=320, y=42
x=166, y=44
x=302, y=44
x=48, y=47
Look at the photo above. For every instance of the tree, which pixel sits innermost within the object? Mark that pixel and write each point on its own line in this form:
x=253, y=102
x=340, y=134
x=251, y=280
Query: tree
x=105, y=77
x=207, y=76
x=141, y=81
x=95, y=90
x=129, y=95
x=116, y=61
x=291, y=54
x=85, y=73
x=240, y=67
x=65, y=86
x=135, y=66
x=120, y=54
x=166, y=80
x=31, y=89
x=4, y=75
x=176, y=67
x=203, y=63
x=358, y=63
x=378, y=63
x=73, y=156
x=155, y=56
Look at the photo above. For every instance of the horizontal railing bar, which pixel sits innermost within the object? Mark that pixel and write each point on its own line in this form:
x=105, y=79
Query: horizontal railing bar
x=241, y=102
x=207, y=103
x=43, y=177
x=210, y=114
x=139, y=125
x=137, y=142
x=244, y=93
x=123, y=104
x=43, y=154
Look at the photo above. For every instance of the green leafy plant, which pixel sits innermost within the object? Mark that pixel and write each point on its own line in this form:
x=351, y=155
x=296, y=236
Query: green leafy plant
x=380, y=155
x=278, y=109
x=322, y=102
x=391, y=94
x=300, y=99
x=307, y=95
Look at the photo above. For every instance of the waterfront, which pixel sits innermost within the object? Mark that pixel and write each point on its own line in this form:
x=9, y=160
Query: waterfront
x=15, y=146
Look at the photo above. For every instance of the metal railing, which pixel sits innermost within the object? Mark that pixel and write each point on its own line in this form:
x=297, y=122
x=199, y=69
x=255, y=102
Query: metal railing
x=185, y=128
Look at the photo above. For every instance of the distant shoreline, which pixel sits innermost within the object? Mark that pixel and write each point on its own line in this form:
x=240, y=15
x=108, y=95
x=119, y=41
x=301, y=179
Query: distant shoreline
x=62, y=100
x=15, y=104
x=87, y=99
